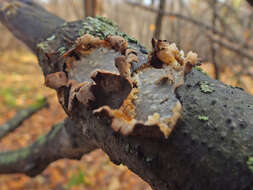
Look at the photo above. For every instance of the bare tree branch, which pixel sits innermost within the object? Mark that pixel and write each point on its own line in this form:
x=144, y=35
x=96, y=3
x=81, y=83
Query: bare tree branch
x=32, y=160
x=213, y=49
x=15, y=14
x=232, y=47
x=209, y=153
x=20, y=116
x=191, y=20
x=159, y=19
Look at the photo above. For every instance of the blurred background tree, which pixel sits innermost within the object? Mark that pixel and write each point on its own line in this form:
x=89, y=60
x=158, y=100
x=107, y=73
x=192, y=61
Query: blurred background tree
x=220, y=31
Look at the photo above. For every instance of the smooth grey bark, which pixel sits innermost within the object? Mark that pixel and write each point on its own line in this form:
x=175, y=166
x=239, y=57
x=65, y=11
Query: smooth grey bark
x=199, y=154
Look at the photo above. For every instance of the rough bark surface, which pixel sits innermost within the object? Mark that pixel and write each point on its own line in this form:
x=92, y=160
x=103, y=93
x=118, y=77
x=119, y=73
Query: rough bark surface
x=199, y=154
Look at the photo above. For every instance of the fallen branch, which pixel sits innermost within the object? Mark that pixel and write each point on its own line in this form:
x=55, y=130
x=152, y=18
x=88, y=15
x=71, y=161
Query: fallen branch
x=24, y=15
x=212, y=140
x=32, y=160
x=20, y=116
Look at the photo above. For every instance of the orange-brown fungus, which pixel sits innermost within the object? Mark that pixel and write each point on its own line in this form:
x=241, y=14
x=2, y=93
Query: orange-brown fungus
x=117, y=43
x=56, y=80
x=123, y=66
x=143, y=103
x=85, y=44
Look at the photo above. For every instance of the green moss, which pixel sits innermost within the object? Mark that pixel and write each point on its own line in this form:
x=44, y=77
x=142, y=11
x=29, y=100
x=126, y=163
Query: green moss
x=202, y=118
x=205, y=87
x=43, y=46
x=102, y=27
x=107, y=20
x=148, y=159
x=55, y=130
x=250, y=164
x=51, y=38
x=127, y=148
x=41, y=140
x=10, y=157
x=201, y=70
x=61, y=50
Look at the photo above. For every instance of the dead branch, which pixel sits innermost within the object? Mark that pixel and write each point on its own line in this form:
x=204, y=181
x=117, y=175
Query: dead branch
x=237, y=49
x=20, y=116
x=159, y=18
x=193, y=21
x=56, y=144
x=19, y=13
x=212, y=140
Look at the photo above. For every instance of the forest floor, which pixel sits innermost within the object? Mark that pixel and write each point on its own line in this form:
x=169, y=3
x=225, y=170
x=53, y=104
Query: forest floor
x=22, y=83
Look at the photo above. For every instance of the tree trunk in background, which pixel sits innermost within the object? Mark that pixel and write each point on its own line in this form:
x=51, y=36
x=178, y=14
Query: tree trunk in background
x=250, y=2
x=158, y=22
x=213, y=45
x=92, y=7
x=152, y=3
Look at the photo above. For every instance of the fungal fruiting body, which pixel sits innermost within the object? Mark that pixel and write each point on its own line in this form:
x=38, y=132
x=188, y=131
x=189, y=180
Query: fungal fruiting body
x=141, y=103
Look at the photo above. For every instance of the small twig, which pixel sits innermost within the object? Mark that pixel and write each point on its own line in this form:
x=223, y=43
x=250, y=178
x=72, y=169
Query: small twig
x=231, y=47
x=213, y=49
x=159, y=18
x=191, y=20
x=20, y=116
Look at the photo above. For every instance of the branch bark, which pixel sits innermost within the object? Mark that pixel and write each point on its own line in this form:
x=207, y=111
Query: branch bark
x=209, y=154
x=20, y=16
x=20, y=116
x=57, y=144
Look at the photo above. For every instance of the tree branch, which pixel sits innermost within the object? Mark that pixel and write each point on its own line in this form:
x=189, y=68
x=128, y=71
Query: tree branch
x=56, y=144
x=20, y=116
x=199, y=154
x=28, y=21
x=237, y=49
x=193, y=21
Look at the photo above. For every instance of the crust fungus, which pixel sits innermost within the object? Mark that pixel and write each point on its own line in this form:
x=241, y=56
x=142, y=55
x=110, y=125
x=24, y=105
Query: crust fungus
x=153, y=110
x=81, y=91
x=167, y=55
x=56, y=80
x=118, y=43
x=142, y=103
x=123, y=66
x=85, y=44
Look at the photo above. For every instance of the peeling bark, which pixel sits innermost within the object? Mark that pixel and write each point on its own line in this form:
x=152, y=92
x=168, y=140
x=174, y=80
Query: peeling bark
x=199, y=154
